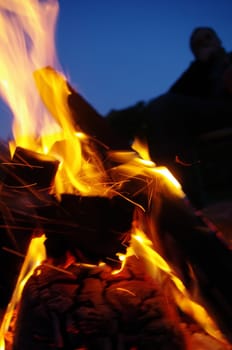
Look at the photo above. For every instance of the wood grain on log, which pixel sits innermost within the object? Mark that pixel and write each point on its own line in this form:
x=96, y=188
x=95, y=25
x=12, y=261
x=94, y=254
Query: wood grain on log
x=93, y=309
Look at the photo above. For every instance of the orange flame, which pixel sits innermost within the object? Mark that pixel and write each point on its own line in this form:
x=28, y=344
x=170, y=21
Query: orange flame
x=143, y=248
x=35, y=255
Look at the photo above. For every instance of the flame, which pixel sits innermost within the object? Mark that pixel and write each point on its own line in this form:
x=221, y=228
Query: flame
x=27, y=43
x=29, y=27
x=158, y=268
x=141, y=148
x=77, y=172
x=35, y=255
x=38, y=100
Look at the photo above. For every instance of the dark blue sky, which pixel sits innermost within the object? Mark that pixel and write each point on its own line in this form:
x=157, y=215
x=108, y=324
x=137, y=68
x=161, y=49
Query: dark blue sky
x=117, y=53
x=120, y=52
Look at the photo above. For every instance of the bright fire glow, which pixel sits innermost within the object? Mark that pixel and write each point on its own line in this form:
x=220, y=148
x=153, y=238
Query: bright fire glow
x=35, y=255
x=143, y=248
x=142, y=150
x=42, y=123
x=27, y=42
x=168, y=175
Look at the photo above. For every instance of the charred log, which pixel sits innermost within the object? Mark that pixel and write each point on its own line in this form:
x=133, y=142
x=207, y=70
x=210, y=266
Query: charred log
x=92, y=309
x=28, y=168
x=96, y=226
x=25, y=183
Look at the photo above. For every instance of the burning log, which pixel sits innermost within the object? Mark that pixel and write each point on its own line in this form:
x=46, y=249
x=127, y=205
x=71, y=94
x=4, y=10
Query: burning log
x=29, y=168
x=25, y=183
x=94, y=226
x=27, y=206
x=90, y=308
x=27, y=177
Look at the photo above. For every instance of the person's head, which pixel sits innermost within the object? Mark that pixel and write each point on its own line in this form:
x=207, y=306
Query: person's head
x=204, y=42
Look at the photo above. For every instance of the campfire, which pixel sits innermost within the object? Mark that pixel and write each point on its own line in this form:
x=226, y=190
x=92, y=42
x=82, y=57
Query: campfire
x=102, y=248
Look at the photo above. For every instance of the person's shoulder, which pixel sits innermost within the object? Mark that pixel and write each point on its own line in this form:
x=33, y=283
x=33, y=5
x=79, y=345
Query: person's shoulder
x=230, y=55
x=191, y=80
x=194, y=67
x=197, y=64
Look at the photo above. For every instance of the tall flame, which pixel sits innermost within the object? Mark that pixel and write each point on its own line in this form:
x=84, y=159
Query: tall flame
x=27, y=43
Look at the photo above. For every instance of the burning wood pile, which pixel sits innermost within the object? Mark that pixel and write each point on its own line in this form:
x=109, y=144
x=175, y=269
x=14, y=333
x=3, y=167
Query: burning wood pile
x=73, y=302
x=102, y=247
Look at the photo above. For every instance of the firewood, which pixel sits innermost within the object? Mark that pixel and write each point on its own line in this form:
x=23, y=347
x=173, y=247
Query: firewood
x=93, y=309
x=28, y=168
x=94, y=225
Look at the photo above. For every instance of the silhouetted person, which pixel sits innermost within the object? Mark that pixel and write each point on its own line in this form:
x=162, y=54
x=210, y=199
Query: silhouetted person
x=199, y=101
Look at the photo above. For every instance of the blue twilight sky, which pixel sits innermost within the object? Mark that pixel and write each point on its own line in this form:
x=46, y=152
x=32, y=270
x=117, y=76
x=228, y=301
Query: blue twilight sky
x=117, y=53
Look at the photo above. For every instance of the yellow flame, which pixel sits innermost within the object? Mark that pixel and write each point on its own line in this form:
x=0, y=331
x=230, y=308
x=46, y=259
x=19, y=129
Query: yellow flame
x=142, y=149
x=27, y=43
x=35, y=254
x=171, y=178
x=43, y=125
x=79, y=169
x=143, y=248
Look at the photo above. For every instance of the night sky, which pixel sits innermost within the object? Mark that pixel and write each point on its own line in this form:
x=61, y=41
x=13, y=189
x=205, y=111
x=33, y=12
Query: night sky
x=117, y=53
